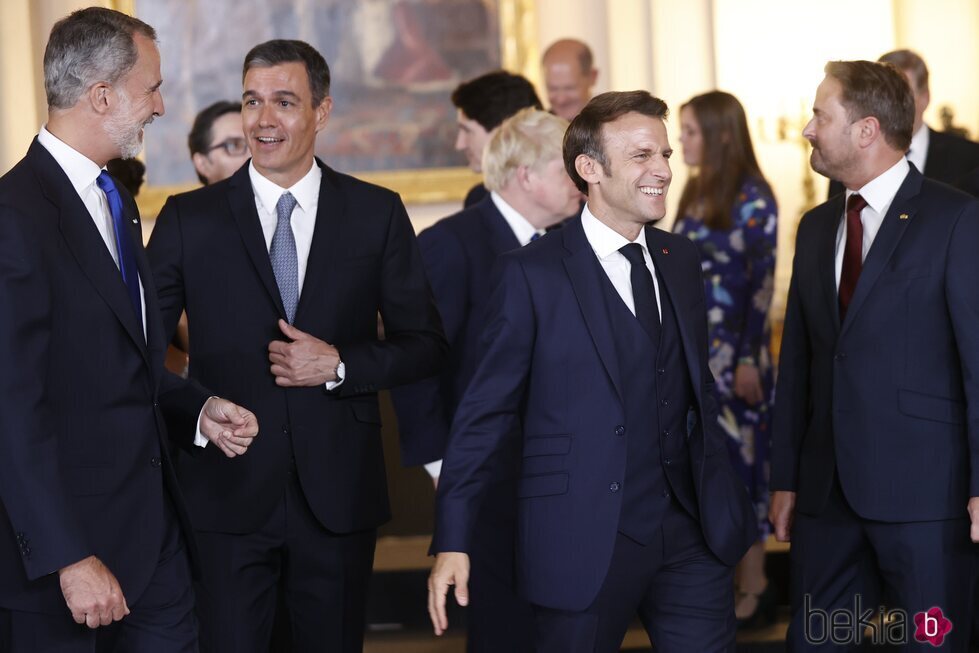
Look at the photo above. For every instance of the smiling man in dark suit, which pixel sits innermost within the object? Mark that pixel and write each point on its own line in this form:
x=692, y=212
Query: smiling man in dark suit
x=94, y=538
x=943, y=157
x=596, y=344
x=529, y=192
x=875, y=466
x=304, y=258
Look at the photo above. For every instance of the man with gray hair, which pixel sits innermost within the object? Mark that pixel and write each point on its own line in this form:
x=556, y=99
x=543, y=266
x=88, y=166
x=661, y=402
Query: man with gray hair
x=93, y=533
x=529, y=192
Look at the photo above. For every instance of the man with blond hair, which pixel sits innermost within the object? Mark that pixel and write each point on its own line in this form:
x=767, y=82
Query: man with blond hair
x=529, y=192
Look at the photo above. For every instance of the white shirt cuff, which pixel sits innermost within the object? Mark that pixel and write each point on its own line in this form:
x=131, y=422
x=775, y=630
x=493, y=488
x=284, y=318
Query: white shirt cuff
x=200, y=440
x=341, y=375
x=434, y=468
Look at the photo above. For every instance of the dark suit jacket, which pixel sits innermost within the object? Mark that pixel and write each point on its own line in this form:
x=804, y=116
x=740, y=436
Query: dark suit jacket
x=550, y=363
x=209, y=257
x=475, y=195
x=83, y=463
x=889, y=397
x=950, y=159
x=459, y=253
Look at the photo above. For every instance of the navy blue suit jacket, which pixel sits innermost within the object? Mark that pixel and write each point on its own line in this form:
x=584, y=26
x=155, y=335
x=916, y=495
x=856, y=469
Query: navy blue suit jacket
x=890, y=398
x=550, y=364
x=209, y=257
x=83, y=461
x=459, y=253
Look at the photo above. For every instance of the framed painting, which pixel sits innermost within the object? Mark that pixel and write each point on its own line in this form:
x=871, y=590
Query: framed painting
x=393, y=64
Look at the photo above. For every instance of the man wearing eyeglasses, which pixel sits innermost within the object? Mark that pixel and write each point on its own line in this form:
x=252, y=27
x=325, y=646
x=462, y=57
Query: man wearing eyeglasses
x=217, y=142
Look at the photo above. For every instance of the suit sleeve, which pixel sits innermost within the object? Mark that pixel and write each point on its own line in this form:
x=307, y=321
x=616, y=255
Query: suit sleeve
x=792, y=393
x=424, y=411
x=31, y=489
x=489, y=408
x=962, y=296
x=414, y=346
x=180, y=399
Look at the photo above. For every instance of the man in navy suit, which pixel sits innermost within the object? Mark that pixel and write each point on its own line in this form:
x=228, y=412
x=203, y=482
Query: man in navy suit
x=94, y=538
x=876, y=449
x=305, y=258
x=937, y=155
x=596, y=345
x=529, y=192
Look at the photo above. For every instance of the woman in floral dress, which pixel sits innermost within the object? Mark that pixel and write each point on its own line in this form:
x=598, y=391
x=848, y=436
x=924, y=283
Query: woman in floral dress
x=728, y=211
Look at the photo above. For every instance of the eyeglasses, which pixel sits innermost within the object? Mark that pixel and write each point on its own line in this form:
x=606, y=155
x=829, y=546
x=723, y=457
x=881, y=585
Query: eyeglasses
x=233, y=146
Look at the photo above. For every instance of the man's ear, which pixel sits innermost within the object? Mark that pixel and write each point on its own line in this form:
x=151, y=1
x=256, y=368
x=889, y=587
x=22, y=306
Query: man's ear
x=101, y=96
x=588, y=168
x=323, y=113
x=868, y=131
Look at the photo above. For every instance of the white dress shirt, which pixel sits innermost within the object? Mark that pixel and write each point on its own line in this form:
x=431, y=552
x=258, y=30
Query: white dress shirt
x=918, y=151
x=879, y=194
x=522, y=229
x=606, y=242
x=82, y=173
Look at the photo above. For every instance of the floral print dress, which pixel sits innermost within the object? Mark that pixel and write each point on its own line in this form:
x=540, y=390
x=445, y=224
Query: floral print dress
x=739, y=277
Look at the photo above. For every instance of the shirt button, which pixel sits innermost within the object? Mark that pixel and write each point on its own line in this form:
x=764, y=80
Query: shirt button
x=614, y=487
x=620, y=430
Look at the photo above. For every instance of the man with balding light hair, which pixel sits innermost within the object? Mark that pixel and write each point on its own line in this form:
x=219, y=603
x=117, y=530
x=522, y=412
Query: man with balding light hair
x=529, y=192
x=569, y=75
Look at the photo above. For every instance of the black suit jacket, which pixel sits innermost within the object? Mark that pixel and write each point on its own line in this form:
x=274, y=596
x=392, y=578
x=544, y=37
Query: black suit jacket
x=459, y=253
x=950, y=159
x=210, y=258
x=888, y=399
x=83, y=461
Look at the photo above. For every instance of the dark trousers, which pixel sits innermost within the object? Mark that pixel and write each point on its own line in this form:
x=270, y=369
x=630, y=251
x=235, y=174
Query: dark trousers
x=681, y=591
x=497, y=618
x=839, y=559
x=324, y=576
x=161, y=620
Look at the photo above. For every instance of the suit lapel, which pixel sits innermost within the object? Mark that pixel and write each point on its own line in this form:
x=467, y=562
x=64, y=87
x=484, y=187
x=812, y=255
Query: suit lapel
x=826, y=257
x=899, y=216
x=501, y=237
x=678, y=286
x=328, y=238
x=155, y=343
x=584, y=269
x=85, y=242
x=241, y=200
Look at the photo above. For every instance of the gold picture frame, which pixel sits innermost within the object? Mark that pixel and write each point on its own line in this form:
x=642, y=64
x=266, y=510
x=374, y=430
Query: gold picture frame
x=519, y=53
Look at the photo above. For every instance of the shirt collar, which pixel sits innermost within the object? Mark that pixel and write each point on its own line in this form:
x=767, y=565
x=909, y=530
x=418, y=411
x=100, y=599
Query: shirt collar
x=919, y=146
x=81, y=170
x=880, y=191
x=522, y=229
x=306, y=190
x=603, y=239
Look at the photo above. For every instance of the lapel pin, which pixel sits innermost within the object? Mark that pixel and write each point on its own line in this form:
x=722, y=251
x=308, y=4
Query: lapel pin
x=903, y=216
x=666, y=250
x=135, y=221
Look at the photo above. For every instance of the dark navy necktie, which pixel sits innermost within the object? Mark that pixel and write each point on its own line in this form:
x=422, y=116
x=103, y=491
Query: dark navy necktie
x=643, y=292
x=124, y=243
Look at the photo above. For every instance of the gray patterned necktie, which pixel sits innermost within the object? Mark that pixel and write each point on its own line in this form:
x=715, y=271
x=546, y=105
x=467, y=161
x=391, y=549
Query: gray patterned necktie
x=282, y=252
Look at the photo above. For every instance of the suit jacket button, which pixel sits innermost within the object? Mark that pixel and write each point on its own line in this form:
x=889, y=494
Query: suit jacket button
x=614, y=487
x=666, y=433
x=840, y=356
x=155, y=462
x=285, y=430
x=665, y=402
x=667, y=461
x=666, y=494
x=661, y=371
x=620, y=430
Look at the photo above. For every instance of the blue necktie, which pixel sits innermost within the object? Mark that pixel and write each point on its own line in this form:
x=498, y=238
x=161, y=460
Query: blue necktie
x=124, y=244
x=643, y=292
x=282, y=252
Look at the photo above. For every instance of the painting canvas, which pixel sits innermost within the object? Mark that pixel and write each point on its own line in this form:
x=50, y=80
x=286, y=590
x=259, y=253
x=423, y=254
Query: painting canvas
x=394, y=64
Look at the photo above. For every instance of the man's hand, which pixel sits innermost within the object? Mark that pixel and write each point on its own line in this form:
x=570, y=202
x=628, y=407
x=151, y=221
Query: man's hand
x=747, y=384
x=229, y=426
x=781, y=512
x=92, y=593
x=974, y=516
x=451, y=568
x=306, y=361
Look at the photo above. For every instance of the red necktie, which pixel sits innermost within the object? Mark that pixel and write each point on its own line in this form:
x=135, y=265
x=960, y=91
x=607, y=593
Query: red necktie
x=852, y=252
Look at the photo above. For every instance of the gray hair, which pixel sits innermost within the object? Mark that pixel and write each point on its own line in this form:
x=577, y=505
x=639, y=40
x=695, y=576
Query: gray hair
x=86, y=47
